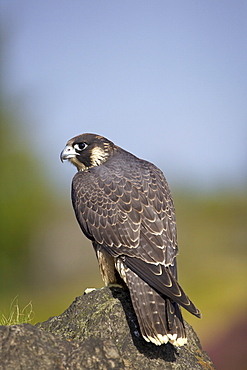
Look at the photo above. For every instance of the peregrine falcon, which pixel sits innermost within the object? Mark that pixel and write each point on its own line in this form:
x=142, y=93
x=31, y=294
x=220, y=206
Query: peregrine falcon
x=124, y=206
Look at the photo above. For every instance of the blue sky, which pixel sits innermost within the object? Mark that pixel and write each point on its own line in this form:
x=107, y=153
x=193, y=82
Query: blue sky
x=166, y=80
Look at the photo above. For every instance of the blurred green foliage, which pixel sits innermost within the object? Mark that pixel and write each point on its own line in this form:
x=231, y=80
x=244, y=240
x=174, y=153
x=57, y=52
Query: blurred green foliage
x=212, y=235
x=24, y=199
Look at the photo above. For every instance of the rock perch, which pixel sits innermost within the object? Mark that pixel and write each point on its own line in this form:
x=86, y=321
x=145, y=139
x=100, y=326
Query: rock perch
x=98, y=331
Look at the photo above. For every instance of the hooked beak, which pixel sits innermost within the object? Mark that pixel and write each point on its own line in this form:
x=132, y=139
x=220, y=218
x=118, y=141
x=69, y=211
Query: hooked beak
x=67, y=153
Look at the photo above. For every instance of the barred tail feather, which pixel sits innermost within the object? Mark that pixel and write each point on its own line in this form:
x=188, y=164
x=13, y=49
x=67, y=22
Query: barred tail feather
x=159, y=318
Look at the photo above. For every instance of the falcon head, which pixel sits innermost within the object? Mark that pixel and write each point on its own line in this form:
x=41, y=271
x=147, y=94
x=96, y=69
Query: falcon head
x=87, y=150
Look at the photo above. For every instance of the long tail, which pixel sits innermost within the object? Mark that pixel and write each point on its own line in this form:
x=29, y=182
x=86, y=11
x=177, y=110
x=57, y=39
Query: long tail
x=159, y=318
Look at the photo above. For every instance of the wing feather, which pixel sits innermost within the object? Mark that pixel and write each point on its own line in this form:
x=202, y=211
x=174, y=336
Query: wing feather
x=104, y=196
x=160, y=278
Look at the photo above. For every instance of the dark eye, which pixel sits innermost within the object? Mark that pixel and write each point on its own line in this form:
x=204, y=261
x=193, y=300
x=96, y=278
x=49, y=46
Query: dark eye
x=80, y=146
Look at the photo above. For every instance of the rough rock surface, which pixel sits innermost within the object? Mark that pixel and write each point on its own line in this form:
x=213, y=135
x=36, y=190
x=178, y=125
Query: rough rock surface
x=98, y=331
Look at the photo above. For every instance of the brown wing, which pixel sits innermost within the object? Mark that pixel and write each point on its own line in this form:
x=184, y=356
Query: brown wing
x=129, y=210
x=126, y=206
